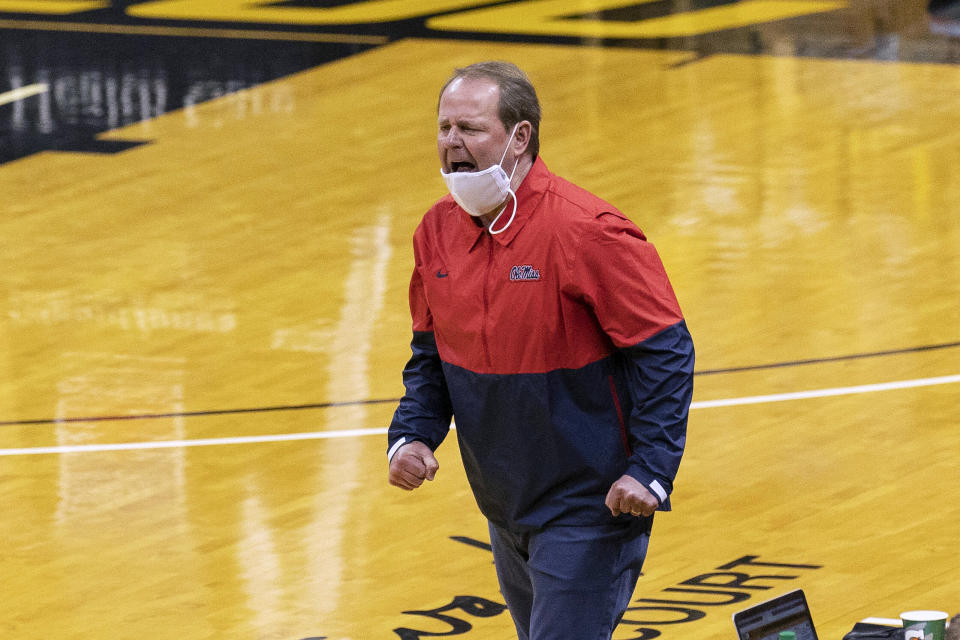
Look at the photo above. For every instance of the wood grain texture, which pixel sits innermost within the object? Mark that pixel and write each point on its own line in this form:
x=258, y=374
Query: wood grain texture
x=258, y=256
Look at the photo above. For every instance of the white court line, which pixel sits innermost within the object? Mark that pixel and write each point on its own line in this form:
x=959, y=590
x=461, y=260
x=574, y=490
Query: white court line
x=823, y=393
x=352, y=433
x=203, y=442
x=23, y=92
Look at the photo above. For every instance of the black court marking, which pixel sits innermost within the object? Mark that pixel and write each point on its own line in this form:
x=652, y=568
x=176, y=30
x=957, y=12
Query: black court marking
x=472, y=542
x=98, y=82
x=190, y=32
x=193, y=414
x=350, y=403
x=108, y=68
x=93, y=145
x=856, y=356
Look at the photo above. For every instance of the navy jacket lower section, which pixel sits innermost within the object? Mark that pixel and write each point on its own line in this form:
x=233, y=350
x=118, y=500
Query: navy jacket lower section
x=544, y=448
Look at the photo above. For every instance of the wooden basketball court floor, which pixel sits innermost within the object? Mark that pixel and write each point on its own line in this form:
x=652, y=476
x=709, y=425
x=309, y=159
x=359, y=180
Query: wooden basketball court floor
x=201, y=340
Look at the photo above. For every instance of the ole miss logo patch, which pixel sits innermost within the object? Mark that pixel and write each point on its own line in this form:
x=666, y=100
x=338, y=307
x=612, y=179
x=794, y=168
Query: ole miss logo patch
x=524, y=272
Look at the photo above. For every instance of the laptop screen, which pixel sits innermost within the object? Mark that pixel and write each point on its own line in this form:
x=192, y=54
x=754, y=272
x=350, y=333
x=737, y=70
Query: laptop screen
x=766, y=620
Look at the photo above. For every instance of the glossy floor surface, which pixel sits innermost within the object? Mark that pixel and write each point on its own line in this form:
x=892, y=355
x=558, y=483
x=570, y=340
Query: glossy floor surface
x=205, y=221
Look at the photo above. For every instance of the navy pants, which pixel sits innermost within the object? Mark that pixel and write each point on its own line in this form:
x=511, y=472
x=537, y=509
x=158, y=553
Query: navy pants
x=569, y=583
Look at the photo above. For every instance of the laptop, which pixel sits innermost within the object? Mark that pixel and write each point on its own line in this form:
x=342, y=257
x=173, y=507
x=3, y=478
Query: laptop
x=765, y=621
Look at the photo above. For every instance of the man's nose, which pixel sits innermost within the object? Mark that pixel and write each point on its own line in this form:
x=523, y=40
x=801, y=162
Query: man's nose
x=451, y=139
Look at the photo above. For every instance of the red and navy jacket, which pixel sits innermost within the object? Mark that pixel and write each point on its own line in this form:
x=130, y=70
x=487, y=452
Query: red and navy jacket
x=559, y=349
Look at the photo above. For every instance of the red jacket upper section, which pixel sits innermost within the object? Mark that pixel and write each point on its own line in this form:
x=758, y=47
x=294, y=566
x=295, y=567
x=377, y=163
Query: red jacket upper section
x=568, y=282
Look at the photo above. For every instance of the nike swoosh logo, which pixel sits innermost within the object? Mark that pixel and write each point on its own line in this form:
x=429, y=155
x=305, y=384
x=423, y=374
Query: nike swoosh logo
x=442, y=274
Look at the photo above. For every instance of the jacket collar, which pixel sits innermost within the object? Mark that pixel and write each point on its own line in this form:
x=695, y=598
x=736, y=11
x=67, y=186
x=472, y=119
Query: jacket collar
x=529, y=195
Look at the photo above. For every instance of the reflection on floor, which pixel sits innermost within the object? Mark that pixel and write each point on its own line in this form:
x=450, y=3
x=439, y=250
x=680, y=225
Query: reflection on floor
x=205, y=250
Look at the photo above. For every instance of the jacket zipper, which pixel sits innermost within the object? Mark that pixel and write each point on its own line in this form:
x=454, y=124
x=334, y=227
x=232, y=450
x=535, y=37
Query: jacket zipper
x=623, y=425
x=486, y=306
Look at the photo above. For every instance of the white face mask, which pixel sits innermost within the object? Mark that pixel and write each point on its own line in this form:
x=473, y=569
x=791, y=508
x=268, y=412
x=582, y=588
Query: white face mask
x=480, y=192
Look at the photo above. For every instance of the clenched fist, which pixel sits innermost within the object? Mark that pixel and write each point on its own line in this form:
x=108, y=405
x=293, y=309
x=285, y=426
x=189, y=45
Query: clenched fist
x=411, y=465
x=627, y=495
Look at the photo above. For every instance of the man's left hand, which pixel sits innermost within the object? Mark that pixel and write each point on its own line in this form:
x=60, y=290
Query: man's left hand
x=627, y=495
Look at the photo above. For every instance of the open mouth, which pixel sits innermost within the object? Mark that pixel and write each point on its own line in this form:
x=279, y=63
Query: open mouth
x=462, y=166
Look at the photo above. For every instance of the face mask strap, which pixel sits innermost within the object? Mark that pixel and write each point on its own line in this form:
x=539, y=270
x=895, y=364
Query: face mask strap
x=512, y=194
x=507, y=148
x=509, y=222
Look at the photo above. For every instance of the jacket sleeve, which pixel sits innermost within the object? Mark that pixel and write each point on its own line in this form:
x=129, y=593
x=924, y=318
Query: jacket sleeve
x=425, y=411
x=660, y=375
x=627, y=287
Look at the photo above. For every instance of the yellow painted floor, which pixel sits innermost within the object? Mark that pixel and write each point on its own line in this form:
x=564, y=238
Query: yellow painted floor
x=228, y=303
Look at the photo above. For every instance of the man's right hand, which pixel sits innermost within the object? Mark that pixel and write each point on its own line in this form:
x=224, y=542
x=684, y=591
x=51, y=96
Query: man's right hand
x=411, y=465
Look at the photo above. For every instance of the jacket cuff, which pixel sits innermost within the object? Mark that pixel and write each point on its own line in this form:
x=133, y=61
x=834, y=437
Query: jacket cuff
x=659, y=487
x=393, y=449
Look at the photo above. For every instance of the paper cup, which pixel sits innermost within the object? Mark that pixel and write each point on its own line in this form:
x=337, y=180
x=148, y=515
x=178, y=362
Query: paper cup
x=925, y=625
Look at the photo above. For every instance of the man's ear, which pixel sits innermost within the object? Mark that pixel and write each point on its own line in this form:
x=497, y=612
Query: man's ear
x=522, y=138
